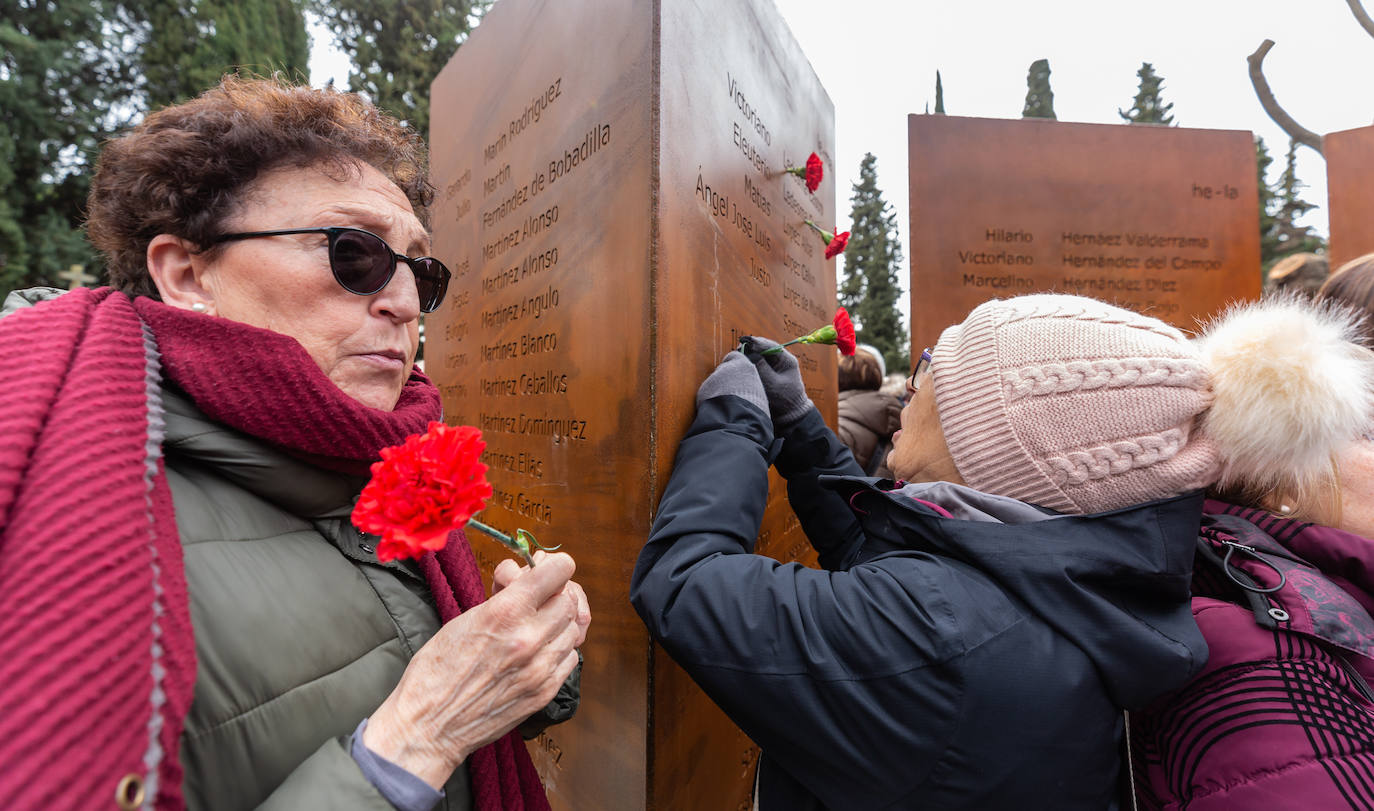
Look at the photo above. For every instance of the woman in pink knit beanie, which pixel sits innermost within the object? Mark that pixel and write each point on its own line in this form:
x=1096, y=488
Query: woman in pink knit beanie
x=1064, y=402
x=987, y=626
x=1082, y=407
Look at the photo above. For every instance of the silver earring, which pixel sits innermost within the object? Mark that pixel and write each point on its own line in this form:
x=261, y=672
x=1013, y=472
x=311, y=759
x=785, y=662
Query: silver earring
x=198, y=307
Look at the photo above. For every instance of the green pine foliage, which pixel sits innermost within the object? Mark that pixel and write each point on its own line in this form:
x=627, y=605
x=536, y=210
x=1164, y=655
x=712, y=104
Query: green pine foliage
x=75, y=72
x=1291, y=237
x=1269, y=238
x=68, y=79
x=1148, y=107
x=1281, y=204
x=1039, y=97
x=399, y=46
x=870, y=288
x=192, y=43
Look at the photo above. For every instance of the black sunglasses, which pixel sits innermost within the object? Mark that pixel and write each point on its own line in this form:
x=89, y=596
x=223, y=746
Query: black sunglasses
x=363, y=263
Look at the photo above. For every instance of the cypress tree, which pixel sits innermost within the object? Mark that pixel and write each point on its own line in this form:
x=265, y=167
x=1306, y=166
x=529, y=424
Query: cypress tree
x=1148, y=107
x=68, y=79
x=1269, y=237
x=1039, y=97
x=192, y=43
x=398, y=46
x=870, y=287
x=1291, y=237
x=939, y=95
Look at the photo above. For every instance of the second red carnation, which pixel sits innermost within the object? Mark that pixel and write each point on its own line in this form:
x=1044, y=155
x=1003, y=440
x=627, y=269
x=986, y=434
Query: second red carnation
x=836, y=245
x=844, y=332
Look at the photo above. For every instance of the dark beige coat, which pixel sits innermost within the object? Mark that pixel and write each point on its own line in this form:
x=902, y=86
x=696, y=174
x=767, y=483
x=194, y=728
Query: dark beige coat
x=867, y=421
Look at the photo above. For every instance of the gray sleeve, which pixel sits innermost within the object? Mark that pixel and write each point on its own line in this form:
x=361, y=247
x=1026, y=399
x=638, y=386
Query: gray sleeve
x=401, y=788
x=22, y=299
x=330, y=779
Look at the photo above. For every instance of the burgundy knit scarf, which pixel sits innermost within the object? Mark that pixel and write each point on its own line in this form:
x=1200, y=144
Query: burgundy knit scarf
x=97, y=654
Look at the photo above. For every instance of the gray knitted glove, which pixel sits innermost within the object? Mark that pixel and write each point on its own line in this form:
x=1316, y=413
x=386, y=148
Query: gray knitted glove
x=781, y=378
x=735, y=375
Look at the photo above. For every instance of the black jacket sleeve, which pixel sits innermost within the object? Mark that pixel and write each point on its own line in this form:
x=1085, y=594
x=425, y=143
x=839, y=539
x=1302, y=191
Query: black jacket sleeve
x=814, y=666
x=811, y=450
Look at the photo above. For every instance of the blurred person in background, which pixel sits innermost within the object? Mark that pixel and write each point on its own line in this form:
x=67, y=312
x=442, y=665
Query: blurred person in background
x=1352, y=286
x=868, y=416
x=1299, y=273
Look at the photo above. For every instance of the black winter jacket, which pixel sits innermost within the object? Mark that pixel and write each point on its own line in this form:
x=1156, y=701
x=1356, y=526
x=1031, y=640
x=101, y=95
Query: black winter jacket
x=976, y=661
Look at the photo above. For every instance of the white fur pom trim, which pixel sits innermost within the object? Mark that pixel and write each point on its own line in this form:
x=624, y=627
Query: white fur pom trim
x=1291, y=387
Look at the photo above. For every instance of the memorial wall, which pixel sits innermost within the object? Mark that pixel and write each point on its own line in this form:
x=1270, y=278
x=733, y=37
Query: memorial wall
x=610, y=197
x=1157, y=219
x=1349, y=193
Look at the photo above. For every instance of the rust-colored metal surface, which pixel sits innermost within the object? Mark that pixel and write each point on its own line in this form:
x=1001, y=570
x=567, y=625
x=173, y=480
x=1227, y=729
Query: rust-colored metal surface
x=1162, y=220
x=737, y=104
x=1349, y=193
x=610, y=197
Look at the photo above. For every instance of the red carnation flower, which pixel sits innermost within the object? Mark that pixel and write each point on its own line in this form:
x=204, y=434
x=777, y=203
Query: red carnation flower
x=844, y=332
x=839, y=332
x=836, y=245
x=423, y=490
x=813, y=172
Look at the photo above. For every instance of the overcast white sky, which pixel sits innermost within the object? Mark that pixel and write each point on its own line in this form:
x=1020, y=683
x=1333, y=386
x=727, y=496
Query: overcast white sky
x=877, y=59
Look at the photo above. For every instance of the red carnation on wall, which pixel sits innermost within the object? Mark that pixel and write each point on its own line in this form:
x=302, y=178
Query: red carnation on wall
x=813, y=172
x=839, y=332
x=844, y=332
x=835, y=243
x=424, y=489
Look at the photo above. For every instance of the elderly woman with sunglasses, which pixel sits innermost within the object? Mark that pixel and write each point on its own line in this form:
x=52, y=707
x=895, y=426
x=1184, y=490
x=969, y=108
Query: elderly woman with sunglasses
x=189, y=615
x=980, y=624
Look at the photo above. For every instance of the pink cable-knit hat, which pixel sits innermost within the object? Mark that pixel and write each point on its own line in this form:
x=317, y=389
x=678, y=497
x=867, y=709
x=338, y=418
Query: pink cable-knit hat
x=1073, y=404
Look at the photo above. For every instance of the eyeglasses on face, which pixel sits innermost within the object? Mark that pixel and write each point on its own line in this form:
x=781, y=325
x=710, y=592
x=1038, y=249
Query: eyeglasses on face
x=914, y=382
x=363, y=263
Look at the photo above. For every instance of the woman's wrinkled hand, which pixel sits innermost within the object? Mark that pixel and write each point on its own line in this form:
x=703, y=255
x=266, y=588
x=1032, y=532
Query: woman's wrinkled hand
x=508, y=570
x=484, y=672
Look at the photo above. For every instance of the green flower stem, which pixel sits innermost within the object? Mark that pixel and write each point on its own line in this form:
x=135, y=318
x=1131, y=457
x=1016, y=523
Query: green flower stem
x=520, y=544
x=775, y=350
x=820, y=336
x=826, y=236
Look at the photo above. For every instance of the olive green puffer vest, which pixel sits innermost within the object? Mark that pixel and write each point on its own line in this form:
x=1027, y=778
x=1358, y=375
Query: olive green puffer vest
x=300, y=631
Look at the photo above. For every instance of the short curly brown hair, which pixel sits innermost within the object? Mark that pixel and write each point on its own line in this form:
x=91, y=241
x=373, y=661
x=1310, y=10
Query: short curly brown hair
x=184, y=169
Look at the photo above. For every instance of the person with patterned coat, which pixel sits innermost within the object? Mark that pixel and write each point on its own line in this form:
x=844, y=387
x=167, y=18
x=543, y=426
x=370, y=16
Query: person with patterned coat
x=1282, y=717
